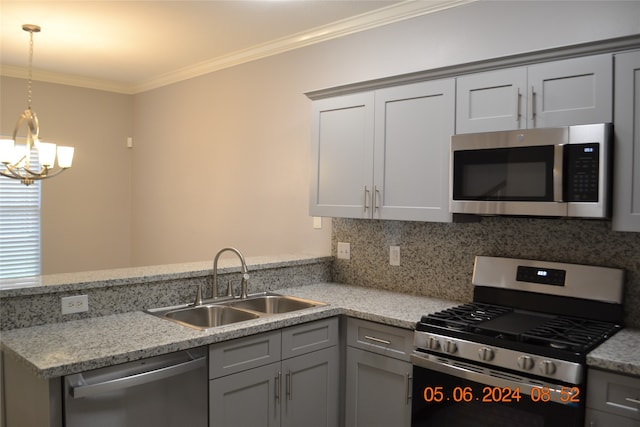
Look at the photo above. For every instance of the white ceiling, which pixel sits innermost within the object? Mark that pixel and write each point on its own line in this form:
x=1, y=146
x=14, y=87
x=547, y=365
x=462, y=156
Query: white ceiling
x=132, y=46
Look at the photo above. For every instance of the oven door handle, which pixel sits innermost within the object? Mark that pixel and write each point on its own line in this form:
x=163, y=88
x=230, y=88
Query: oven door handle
x=556, y=393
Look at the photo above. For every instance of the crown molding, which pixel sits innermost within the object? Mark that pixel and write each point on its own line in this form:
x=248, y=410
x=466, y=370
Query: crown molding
x=67, y=79
x=398, y=12
x=377, y=18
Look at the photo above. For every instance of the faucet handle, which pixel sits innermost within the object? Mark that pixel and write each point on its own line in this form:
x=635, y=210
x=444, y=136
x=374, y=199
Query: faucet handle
x=230, y=289
x=199, y=300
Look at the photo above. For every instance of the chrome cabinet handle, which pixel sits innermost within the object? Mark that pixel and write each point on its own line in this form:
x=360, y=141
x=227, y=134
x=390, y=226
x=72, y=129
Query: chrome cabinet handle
x=278, y=378
x=629, y=399
x=289, y=386
x=376, y=196
x=532, y=97
x=379, y=340
x=518, y=108
x=366, y=198
x=409, y=388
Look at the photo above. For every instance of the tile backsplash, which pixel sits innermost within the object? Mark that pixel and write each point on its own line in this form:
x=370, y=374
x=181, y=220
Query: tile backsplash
x=436, y=259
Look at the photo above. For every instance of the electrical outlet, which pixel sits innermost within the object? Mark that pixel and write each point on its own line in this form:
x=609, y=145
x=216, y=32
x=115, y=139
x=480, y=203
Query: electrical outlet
x=317, y=222
x=394, y=255
x=344, y=250
x=75, y=304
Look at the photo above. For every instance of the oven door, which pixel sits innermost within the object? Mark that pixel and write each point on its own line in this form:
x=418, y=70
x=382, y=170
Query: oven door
x=449, y=393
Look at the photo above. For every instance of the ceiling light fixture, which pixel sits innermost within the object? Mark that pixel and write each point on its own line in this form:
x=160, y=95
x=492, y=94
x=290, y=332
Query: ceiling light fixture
x=15, y=153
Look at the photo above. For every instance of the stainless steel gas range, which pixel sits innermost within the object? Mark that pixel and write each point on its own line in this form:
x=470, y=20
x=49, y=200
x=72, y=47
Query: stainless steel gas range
x=516, y=355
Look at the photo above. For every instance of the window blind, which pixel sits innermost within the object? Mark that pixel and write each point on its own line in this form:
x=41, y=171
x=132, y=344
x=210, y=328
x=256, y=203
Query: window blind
x=19, y=227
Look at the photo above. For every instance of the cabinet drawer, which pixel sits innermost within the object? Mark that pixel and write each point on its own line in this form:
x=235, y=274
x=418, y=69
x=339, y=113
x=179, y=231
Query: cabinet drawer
x=614, y=393
x=602, y=419
x=308, y=337
x=244, y=353
x=387, y=340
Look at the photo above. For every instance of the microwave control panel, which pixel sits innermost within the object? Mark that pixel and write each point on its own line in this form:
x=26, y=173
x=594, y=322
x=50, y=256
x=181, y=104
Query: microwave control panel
x=582, y=170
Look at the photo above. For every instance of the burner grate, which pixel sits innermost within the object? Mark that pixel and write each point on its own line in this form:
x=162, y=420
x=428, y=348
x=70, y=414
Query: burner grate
x=570, y=333
x=466, y=316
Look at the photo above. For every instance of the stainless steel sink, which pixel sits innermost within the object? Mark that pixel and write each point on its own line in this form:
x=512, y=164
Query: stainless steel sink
x=273, y=304
x=227, y=311
x=205, y=316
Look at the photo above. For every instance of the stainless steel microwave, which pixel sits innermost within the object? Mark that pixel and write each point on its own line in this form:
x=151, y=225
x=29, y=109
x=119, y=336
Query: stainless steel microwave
x=555, y=172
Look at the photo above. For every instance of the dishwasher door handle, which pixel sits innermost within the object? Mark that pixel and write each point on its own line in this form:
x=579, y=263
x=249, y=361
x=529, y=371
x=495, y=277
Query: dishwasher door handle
x=89, y=390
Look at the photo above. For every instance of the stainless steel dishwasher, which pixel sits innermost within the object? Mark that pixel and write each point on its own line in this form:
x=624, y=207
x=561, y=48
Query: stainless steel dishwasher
x=162, y=391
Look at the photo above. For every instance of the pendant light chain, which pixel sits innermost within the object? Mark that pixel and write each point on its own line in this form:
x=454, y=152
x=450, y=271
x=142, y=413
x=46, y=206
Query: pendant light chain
x=30, y=83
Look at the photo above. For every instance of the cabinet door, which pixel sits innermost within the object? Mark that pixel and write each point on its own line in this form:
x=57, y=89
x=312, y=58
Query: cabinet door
x=342, y=156
x=378, y=390
x=626, y=209
x=414, y=124
x=614, y=393
x=311, y=390
x=604, y=419
x=571, y=92
x=248, y=399
x=492, y=101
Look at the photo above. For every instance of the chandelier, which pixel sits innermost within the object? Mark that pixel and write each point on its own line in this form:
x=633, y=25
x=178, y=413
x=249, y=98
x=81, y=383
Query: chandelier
x=15, y=153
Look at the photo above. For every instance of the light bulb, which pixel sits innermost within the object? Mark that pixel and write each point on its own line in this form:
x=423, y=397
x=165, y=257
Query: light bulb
x=65, y=156
x=6, y=150
x=47, y=154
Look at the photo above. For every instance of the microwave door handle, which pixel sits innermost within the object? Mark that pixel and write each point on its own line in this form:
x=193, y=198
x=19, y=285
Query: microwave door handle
x=558, y=169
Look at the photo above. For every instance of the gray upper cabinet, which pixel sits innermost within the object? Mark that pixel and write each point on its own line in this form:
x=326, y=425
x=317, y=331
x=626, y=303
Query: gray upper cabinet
x=558, y=93
x=342, y=155
x=491, y=101
x=413, y=126
x=383, y=154
x=626, y=209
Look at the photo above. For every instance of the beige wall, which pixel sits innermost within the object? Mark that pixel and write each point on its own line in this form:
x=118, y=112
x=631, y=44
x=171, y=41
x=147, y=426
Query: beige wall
x=86, y=211
x=223, y=159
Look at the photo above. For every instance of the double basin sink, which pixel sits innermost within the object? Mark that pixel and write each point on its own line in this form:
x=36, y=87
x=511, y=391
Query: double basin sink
x=226, y=312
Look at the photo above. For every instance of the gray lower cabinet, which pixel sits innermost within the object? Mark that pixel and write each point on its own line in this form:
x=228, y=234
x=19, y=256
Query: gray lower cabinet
x=612, y=400
x=280, y=378
x=378, y=380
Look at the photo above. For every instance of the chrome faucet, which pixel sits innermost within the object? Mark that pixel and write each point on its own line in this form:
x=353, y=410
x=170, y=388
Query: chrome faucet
x=245, y=274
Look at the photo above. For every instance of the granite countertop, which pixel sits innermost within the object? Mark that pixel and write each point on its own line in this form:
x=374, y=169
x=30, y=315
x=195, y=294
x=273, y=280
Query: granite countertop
x=620, y=353
x=58, y=349
x=81, y=281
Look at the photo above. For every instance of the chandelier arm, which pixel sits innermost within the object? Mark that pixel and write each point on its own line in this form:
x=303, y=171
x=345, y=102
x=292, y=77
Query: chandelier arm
x=41, y=176
x=32, y=175
x=11, y=175
x=42, y=173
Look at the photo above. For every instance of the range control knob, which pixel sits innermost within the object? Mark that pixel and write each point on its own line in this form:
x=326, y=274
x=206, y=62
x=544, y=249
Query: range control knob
x=433, y=343
x=525, y=362
x=485, y=354
x=547, y=367
x=450, y=347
